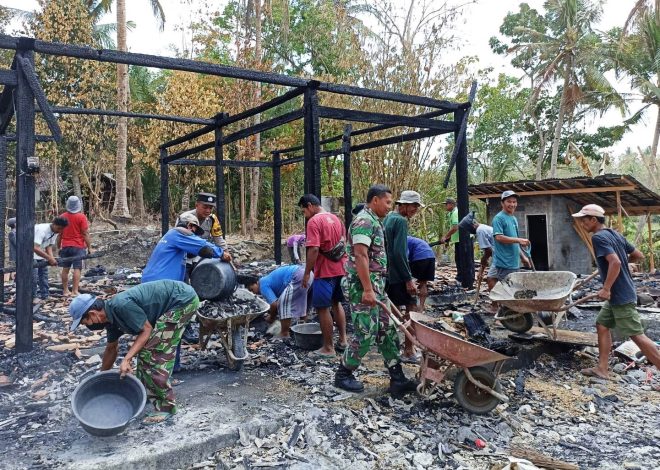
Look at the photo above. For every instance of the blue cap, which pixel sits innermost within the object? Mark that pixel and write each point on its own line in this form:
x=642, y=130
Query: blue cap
x=78, y=308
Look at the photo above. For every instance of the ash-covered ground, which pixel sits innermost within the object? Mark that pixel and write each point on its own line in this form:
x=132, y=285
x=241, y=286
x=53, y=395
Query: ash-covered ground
x=553, y=412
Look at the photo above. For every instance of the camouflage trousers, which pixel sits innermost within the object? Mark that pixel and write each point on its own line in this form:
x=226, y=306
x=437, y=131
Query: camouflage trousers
x=370, y=325
x=156, y=359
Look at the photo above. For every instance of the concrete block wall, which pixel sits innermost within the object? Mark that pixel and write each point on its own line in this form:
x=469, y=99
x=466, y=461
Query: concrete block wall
x=566, y=251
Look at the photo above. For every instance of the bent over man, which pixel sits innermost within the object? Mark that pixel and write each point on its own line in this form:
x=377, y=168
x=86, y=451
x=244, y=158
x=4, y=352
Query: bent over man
x=366, y=268
x=157, y=313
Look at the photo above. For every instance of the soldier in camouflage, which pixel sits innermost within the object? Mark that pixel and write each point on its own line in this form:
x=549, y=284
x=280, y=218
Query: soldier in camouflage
x=156, y=313
x=366, y=269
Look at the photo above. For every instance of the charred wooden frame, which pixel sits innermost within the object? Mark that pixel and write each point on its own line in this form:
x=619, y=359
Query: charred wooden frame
x=22, y=89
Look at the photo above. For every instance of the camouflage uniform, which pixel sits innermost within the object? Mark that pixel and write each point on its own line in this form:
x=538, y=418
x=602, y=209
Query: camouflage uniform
x=371, y=324
x=156, y=358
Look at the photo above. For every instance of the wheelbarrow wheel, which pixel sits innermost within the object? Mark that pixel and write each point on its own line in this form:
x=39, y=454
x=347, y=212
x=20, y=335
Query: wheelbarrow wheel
x=238, y=348
x=520, y=324
x=471, y=397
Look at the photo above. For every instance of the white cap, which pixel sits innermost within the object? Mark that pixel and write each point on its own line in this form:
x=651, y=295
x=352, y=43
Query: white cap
x=590, y=210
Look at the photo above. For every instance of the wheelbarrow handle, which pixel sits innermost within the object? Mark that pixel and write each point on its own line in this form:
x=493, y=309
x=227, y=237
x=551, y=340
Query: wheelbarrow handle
x=579, y=301
x=396, y=318
x=585, y=280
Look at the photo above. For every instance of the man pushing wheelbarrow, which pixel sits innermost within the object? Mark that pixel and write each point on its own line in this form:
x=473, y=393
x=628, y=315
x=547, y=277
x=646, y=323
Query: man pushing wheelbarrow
x=365, y=284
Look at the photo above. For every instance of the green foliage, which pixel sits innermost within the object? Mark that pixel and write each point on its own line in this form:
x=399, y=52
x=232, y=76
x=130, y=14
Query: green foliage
x=499, y=138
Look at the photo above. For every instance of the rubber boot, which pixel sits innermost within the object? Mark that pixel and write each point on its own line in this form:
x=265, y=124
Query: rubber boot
x=344, y=379
x=399, y=383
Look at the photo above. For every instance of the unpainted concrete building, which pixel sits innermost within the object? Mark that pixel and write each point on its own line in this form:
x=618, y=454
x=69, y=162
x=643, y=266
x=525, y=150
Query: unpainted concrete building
x=545, y=208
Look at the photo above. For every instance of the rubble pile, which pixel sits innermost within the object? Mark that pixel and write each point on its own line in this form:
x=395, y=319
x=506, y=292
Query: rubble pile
x=554, y=413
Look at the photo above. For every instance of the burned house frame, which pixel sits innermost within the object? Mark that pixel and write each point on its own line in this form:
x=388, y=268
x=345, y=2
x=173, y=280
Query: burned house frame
x=22, y=90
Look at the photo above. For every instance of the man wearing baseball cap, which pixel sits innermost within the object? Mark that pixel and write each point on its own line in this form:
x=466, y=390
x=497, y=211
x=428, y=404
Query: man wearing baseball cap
x=451, y=220
x=156, y=313
x=168, y=258
x=400, y=287
x=613, y=253
x=506, y=241
x=211, y=230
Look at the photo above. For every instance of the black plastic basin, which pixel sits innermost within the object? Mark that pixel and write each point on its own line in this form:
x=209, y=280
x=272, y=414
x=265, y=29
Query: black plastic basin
x=105, y=403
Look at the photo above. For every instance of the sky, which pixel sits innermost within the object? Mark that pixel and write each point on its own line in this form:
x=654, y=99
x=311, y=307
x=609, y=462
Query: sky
x=480, y=22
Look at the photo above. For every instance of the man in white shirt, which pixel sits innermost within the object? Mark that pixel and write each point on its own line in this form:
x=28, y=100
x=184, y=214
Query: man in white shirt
x=45, y=236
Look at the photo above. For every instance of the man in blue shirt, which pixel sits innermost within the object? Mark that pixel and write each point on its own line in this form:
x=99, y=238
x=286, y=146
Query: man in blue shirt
x=284, y=291
x=422, y=266
x=613, y=252
x=506, y=242
x=168, y=259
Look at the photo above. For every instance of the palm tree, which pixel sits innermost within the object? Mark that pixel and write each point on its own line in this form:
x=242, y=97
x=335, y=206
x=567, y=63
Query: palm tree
x=636, y=53
x=568, y=50
x=120, y=208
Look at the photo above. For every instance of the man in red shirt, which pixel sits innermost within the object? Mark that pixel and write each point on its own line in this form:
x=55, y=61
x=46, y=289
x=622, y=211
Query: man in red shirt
x=325, y=256
x=72, y=242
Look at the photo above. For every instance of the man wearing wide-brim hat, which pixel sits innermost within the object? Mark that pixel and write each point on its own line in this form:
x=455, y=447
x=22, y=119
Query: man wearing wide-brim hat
x=400, y=286
x=613, y=253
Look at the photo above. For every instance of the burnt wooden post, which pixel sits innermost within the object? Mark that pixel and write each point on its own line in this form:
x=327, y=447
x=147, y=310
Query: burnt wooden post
x=220, y=172
x=277, y=208
x=25, y=211
x=348, y=186
x=3, y=210
x=465, y=254
x=164, y=193
x=312, y=145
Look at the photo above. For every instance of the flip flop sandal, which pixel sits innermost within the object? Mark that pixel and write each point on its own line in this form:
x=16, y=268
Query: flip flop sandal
x=590, y=372
x=318, y=355
x=157, y=414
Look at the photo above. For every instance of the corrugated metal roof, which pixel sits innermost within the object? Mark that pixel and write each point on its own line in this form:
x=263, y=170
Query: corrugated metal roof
x=636, y=199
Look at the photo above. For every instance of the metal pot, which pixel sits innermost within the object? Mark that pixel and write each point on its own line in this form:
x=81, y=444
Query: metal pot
x=307, y=335
x=105, y=404
x=213, y=279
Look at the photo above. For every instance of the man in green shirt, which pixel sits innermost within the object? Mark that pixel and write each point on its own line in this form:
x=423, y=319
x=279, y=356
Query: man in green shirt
x=157, y=314
x=451, y=220
x=400, y=286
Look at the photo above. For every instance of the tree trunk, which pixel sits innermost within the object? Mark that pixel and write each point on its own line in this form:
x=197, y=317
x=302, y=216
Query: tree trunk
x=138, y=190
x=654, y=147
x=241, y=172
x=120, y=208
x=558, y=126
x=255, y=174
x=185, y=199
x=75, y=180
x=542, y=143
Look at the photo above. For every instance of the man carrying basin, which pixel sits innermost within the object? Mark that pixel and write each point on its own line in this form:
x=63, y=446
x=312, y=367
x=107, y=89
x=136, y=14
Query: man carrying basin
x=613, y=252
x=284, y=292
x=168, y=259
x=156, y=313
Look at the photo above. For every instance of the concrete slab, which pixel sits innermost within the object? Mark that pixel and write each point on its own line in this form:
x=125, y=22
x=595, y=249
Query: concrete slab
x=214, y=406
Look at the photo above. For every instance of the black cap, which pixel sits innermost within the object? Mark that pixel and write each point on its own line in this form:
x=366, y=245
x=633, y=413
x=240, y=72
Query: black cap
x=450, y=200
x=206, y=198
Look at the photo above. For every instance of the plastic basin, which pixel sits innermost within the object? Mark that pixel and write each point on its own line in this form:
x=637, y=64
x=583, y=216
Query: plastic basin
x=105, y=404
x=213, y=279
x=308, y=335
